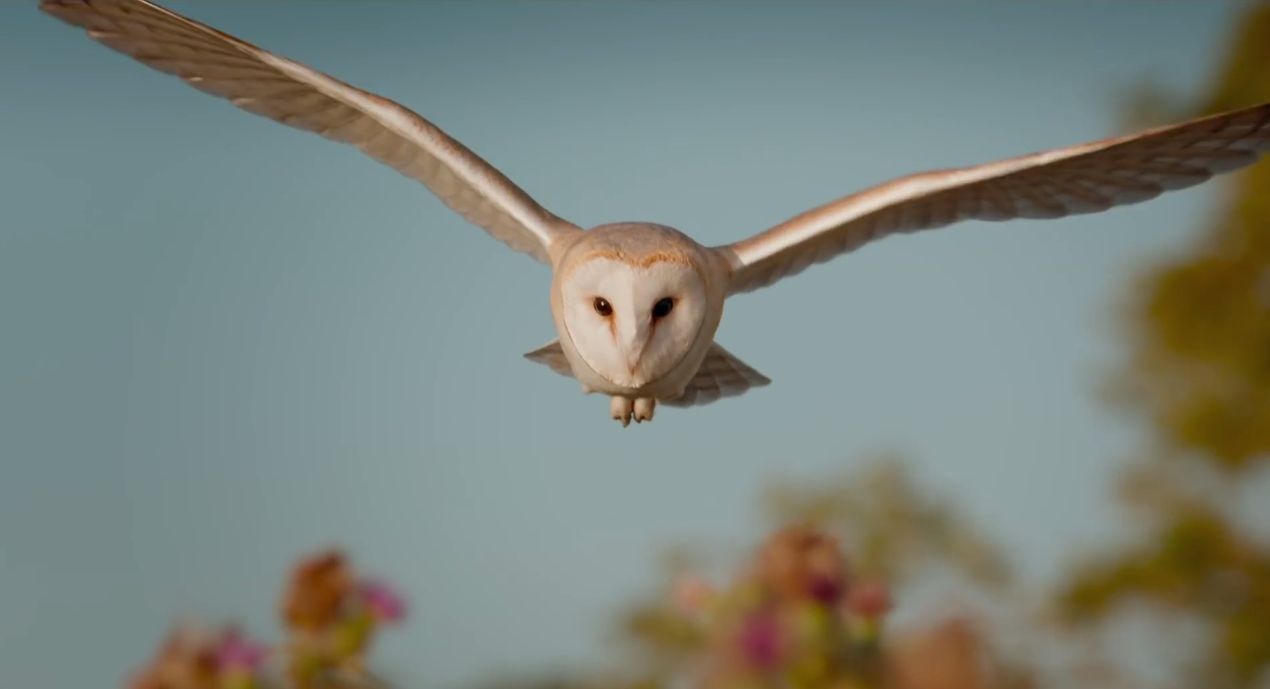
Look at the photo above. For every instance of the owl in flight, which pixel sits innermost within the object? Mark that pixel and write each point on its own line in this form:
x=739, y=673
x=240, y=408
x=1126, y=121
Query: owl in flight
x=636, y=304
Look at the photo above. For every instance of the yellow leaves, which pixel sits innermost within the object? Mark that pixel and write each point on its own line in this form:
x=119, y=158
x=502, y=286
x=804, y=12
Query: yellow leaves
x=1198, y=563
x=1201, y=328
x=1246, y=75
x=1201, y=368
x=1245, y=640
x=663, y=631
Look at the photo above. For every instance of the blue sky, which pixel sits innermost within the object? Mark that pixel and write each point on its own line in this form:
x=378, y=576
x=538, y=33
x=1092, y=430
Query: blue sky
x=225, y=343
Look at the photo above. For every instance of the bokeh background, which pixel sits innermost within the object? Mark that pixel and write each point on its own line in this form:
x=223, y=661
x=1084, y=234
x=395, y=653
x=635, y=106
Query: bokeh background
x=225, y=343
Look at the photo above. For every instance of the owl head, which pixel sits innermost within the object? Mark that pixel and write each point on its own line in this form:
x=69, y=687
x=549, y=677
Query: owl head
x=632, y=306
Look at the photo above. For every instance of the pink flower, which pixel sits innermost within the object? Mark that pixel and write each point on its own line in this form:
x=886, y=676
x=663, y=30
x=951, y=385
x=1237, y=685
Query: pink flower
x=237, y=652
x=385, y=604
x=760, y=641
x=824, y=588
x=802, y=562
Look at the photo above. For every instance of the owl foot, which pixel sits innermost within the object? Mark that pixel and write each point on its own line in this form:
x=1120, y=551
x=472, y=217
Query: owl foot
x=625, y=409
x=621, y=409
x=644, y=407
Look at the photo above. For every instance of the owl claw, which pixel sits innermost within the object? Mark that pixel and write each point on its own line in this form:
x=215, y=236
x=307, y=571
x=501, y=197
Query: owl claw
x=624, y=409
x=621, y=409
x=644, y=407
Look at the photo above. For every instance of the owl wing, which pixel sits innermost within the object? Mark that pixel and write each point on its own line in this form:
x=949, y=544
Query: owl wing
x=552, y=356
x=721, y=375
x=1081, y=179
x=289, y=92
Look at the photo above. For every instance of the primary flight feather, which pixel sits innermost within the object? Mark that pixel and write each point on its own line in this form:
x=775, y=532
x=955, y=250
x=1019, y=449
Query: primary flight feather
x=636, y=305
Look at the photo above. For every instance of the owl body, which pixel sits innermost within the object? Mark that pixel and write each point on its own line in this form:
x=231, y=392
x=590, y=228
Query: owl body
x=636, y=305
x=638, y=252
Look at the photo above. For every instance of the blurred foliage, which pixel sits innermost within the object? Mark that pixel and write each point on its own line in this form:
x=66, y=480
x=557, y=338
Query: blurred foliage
x=795, y=617
x=1200, y=327
x=892, y=529
x=195, y=656
x=807, y=612
x=331, y=615
x=1199, y=371
x=1197, y=564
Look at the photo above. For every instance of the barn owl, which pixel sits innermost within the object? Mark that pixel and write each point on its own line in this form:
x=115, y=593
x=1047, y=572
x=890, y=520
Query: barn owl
x=635, y=304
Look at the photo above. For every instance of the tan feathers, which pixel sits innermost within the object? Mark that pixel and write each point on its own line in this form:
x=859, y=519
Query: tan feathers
x=1081, y=179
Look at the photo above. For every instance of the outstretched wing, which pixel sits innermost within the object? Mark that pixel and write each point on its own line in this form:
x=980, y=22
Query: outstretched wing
x=721, y=375
x=275, y=87
x=1081, y=179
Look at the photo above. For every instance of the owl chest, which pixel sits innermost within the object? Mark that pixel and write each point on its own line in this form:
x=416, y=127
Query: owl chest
x=665, y=387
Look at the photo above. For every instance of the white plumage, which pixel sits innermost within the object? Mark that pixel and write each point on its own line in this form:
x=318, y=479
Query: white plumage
x=636, y=305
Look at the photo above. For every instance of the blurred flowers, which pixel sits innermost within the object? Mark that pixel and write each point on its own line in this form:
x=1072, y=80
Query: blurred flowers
x=196, y=657
x=330, y=614
x=384, y=603
x=319, y=590
x=239, y=655
x=803, y=563
x=787, y=621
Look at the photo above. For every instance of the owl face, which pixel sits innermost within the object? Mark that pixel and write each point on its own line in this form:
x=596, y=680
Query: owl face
x=632, y=322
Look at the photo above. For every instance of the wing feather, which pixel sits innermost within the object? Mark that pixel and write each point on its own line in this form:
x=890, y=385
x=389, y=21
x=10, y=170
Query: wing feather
x=1088, y=178
x=721, y=375
x=271, y=86
x=552, y=356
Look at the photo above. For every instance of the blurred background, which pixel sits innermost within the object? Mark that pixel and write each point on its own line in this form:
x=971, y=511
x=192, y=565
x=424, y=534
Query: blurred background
x=226, y=346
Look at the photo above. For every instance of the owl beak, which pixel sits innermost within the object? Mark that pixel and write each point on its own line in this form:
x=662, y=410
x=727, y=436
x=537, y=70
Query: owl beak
x=635, y=349
x=632, y=358
x=634, y=338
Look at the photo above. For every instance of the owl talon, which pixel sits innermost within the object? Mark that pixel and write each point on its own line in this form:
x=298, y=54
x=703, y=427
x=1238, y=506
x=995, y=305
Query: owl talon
x=621, y=409
x=644, y=407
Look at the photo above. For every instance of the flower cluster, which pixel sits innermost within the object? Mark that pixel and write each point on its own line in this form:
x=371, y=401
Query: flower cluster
x=330, y=614
x=195, y=657
x=796, y=618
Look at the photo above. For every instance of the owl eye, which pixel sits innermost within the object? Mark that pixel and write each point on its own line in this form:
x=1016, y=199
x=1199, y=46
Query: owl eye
x=603, y=307
x=663, y=307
